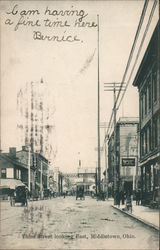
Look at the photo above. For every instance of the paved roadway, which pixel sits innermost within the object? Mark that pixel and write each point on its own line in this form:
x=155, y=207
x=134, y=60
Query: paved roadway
x=69, y=224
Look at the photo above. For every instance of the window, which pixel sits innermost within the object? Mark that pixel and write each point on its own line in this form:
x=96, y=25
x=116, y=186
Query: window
x=20, y=174
x=154, y=80
x=146, y=142
x=17, y=174
x=3, y=173
x=150, y=137
x=141, y=103
x=149, y=95
x=10, y=173
x=155, y=132
x=145, y=102
x=142, y=144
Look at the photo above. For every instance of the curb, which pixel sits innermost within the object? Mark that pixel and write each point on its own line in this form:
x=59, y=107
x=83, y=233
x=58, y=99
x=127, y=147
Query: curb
x=138, y=219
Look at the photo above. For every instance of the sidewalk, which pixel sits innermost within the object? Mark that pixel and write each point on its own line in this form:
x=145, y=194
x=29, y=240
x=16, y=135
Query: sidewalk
x=146, y=215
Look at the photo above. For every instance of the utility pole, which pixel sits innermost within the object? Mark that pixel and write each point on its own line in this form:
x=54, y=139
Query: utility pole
x=41, y=179
x=106, y=163
x=96, y=178
x=115, y=147
x=98, y=116
x=29, y=169
x=115, y=87
x=79, y=162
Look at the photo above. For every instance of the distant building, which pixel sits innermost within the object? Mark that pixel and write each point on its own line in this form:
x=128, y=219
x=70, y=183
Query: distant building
x=11, y=168
x=147, y=81
x=14, y=169
x=126, y=156
x=39, y=164
x=87, y=177
x=12, y=172
x=51, y=181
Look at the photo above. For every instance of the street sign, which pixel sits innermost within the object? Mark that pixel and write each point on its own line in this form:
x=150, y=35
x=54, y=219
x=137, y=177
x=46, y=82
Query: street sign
x=128, y=162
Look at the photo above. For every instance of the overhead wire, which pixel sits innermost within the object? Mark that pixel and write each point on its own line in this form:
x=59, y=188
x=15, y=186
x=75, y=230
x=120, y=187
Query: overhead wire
x=140, y=48
x=130, y=56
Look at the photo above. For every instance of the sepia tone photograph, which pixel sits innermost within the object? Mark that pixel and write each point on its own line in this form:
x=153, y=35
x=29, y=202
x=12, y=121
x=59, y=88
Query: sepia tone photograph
x=79, y=124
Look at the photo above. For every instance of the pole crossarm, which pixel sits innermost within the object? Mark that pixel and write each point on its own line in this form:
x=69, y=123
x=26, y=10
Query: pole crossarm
x=114, y=86
x=112, y=89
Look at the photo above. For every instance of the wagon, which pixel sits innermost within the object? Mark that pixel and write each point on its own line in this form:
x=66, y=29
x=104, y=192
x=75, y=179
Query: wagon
x=19, y=195
x=80, y=192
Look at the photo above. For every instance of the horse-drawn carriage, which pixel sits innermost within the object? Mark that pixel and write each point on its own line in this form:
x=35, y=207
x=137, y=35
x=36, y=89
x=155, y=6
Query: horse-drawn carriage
x=19, y=195
x=80, y=192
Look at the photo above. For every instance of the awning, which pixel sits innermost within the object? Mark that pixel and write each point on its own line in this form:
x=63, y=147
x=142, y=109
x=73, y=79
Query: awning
x=10, y=183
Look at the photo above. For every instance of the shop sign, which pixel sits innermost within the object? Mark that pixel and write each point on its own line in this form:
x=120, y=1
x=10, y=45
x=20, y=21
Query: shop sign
x=128, y=162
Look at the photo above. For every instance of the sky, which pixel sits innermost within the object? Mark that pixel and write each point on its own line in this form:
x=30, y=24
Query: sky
x=69, y=69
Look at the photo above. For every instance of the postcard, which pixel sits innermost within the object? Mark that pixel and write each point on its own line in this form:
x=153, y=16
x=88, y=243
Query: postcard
x=80, y=142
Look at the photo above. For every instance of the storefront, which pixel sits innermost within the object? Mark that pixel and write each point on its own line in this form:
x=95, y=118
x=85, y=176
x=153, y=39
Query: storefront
x=150, y=175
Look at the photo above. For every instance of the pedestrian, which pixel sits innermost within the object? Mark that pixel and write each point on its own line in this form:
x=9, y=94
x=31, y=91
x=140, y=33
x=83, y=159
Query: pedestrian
x=129, y=202
x=137, y=197
x=122, y=197
x=118, y=198
x=64, y=194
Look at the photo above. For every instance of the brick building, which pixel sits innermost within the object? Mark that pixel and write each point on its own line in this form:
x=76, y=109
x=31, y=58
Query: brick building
x=14, y=169
x=11, y=168
x=127, y=174
x=147, y=81
x=12, y=172
x=38, y=164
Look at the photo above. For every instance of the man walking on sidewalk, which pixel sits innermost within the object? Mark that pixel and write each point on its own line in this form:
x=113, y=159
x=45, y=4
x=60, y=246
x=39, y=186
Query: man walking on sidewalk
x=138, y=197
x=129, y=202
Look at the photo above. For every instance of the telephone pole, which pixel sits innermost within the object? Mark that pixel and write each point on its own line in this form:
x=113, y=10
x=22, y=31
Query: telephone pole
x=115, y=87
x=104, y=125
x=29, y=169
x=98, y=116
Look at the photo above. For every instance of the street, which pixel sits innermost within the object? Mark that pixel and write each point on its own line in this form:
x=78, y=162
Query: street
x=67, y=223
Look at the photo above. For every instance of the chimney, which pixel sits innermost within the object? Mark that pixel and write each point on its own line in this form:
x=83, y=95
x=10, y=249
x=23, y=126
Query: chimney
x=12, y=152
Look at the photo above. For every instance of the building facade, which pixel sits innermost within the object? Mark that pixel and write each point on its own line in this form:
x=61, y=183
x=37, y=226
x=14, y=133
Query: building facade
x=39, y=169
x=14, y=169
x=127, y=174
x=12, y=173
x=11, y=168
x=147, y=81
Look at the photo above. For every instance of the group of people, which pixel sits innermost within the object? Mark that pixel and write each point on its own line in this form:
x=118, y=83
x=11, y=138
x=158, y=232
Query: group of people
x=125, y=198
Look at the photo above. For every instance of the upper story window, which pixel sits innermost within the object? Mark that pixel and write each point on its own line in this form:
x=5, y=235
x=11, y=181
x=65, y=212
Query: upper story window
x=10, y=173
x=3, y=173
x=150, y=137
x=155, y=132
x=142, y=144
x=141, y=106
x=154, y=81
x=149, y=92
x=145, y=102
x=145, y=142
